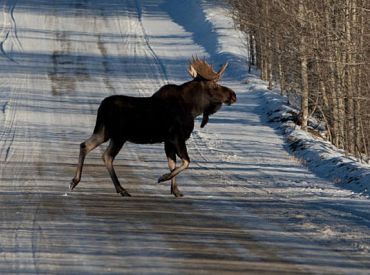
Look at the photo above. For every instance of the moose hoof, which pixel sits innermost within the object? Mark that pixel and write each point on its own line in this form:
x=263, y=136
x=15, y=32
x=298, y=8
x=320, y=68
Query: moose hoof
x=176, y=192
x=73, y=184
x=123, y=192
x=164, y=177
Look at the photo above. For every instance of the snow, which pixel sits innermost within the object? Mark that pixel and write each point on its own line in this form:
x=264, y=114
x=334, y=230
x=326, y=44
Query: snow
x=319, y=155
x=250, y=206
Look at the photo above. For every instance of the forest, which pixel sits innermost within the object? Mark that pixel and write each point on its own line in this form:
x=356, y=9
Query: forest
x=318, y=51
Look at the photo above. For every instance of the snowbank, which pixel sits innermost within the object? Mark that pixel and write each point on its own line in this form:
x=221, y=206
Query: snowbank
x=321, y=157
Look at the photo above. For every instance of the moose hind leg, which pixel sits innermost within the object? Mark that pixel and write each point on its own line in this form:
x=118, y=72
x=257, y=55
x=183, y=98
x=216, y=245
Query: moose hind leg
x=85, y=147
x=171, y=156
x=113, y=149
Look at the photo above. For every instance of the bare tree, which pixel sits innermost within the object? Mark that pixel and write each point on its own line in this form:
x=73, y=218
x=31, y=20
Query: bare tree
x=320, y=50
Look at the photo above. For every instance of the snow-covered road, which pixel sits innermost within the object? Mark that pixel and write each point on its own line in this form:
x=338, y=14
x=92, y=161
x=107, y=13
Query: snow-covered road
x=249, y=206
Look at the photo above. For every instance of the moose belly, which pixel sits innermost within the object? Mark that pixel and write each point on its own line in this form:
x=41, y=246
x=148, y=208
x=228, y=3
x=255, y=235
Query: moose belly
x=157, y=132
x=144, y=136
x=146, y=133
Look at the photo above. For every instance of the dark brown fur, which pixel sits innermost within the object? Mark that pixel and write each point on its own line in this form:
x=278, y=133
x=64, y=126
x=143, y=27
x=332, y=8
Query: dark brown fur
x=167, y=116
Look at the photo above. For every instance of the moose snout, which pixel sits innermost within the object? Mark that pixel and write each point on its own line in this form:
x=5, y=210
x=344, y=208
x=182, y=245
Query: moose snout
x=231, y=99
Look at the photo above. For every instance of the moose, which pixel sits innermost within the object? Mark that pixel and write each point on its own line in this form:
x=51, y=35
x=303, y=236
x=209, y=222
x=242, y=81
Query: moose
x=165, y=117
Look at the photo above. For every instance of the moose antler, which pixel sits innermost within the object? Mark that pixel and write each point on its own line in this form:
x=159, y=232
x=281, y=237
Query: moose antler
x=201, y=68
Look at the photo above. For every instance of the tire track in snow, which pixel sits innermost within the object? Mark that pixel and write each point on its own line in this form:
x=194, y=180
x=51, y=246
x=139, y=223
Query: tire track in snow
x=14, y=171
x=68, y=68
x=5, y=30
x=8, y=128
x=28, y=232
x=106, y=70
x=147, y=41
x=9, y=28
x=138, y=47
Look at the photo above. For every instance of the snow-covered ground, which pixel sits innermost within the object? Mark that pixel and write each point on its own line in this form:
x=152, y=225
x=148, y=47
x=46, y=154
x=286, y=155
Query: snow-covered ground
x=319, y=155
x=250, y=205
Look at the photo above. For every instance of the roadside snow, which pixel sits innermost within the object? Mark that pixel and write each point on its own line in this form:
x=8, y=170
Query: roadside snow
x=319, y=155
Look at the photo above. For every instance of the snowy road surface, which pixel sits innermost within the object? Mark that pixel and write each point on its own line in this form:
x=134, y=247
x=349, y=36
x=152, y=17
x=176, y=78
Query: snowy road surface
x=249, y=206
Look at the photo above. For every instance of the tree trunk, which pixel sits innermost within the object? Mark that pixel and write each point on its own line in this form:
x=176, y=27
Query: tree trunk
x=252, y=54
x=349, y=72
x=304, y=69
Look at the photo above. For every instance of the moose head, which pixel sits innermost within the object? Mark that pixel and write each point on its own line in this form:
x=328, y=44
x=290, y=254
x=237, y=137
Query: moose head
x=203, y=73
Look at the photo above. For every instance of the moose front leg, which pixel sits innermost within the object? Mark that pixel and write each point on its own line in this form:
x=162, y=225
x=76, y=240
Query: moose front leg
x=171, y=151
x=171, y=156
x=174, y=189
x=184, y=165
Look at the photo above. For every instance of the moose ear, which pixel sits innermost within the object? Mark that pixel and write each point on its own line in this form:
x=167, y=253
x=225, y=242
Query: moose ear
x=222, y=71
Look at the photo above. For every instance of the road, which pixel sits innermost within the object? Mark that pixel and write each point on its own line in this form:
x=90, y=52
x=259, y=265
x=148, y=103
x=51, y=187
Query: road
x=249, y=206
